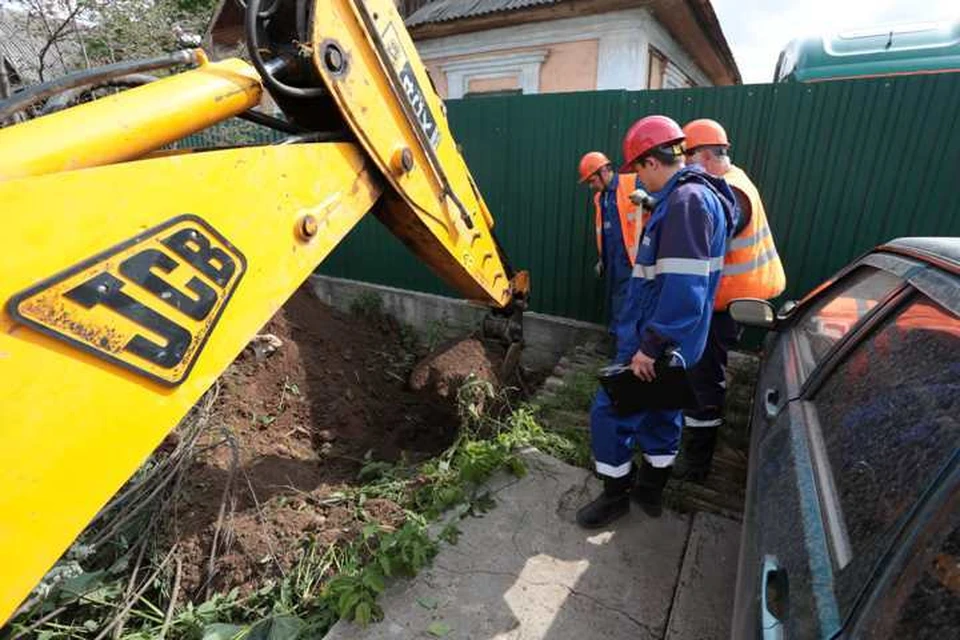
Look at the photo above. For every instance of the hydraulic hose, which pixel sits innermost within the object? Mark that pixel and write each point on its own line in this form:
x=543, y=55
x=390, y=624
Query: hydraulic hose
x=253, y=48
x=258, y=117
x=61, y=100
x=32, y=95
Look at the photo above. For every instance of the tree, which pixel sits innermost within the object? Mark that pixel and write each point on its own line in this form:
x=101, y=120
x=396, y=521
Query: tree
x=127, y=29
x=70, y=34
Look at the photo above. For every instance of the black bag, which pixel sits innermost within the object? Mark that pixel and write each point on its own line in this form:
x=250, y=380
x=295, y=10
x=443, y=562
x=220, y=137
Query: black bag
x=671, y=389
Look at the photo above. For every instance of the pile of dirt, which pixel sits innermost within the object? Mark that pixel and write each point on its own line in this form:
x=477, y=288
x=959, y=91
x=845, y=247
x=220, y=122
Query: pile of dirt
x=298, y=426
x=445, y=368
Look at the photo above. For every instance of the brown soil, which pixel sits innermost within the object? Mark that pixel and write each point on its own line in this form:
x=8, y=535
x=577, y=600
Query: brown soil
x=444, y=370
x=302, y=420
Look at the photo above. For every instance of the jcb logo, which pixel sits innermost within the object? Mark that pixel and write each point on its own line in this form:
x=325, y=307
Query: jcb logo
x=148, y=304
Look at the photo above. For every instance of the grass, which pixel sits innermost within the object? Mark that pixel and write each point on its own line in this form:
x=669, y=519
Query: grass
x=123, y=589
x=576, y=394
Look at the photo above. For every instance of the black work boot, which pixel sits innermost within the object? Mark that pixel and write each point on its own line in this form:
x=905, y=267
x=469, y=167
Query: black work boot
x=648, y=492
x=698, y=452
x=612, y=503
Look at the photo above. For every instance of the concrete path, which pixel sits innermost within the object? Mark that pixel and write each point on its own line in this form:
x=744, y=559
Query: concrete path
x=525, y=571
x=703, y=601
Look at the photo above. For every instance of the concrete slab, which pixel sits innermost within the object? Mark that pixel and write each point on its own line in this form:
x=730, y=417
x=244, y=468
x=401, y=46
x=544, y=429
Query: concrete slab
x=546, y=337
x=703, y=605
x=525, y=571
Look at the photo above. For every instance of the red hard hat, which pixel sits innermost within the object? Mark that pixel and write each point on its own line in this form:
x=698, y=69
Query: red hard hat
x=704, y=132
x=647, y=134
x=590, y=163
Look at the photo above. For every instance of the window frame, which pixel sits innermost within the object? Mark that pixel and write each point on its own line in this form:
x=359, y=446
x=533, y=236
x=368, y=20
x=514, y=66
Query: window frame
x=655, y=54
x=919, y=273
x=860, y=332
x=812, y=381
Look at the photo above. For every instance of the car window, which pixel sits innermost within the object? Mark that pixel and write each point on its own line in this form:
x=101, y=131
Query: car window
x=889, y=416
x=833, y=317
x=932, y=610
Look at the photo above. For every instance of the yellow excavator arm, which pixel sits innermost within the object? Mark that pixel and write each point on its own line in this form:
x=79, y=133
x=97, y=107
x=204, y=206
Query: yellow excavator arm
x=134, y=275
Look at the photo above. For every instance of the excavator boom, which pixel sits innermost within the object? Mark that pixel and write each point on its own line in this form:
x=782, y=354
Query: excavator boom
x=134, y=274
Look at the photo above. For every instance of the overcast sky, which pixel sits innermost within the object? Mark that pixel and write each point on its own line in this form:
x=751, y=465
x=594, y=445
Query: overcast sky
x=758, y=29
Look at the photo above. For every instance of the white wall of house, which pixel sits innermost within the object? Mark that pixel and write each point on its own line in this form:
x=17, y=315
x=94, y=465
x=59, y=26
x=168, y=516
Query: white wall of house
x=624, y=40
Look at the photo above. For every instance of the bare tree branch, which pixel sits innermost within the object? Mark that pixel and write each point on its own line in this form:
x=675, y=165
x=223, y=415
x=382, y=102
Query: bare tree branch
x=54, y=35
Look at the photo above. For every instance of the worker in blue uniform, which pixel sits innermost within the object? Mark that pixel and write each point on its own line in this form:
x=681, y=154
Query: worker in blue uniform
x=618, y=222
x=668, y=308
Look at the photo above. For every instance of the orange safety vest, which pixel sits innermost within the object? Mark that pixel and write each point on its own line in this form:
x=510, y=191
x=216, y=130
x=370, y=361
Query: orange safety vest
x=751, y=266
x=631, y=223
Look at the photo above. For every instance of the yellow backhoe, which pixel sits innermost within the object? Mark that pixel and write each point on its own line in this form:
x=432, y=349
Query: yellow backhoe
x=134, y=274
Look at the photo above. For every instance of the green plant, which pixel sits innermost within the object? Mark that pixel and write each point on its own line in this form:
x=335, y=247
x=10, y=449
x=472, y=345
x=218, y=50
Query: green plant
x=328, y=581
x=576, y=394
x=377, y=556
x=368, y=304
x=436, y=331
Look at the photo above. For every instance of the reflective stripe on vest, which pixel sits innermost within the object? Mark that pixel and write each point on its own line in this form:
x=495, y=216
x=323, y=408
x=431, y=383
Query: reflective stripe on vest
x=743, y=242
x=752, y=267
x=631, y=222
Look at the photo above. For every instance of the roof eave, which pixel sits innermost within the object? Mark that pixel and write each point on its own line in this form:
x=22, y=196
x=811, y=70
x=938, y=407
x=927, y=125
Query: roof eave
x=514, y=17
x=710, y=25
x=716, y=60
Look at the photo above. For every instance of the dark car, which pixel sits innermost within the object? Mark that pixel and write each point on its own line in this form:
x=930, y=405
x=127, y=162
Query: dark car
x=852, y=520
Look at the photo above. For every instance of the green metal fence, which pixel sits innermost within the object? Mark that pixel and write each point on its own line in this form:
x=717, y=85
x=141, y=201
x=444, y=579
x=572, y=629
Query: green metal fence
x=841, y=166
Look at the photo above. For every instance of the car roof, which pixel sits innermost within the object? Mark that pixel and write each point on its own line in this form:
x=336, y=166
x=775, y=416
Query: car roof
x=936, y=250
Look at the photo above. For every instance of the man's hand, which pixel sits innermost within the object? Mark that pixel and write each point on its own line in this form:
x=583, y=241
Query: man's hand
x=642, y=366
x=643, y=199
x=598, y=268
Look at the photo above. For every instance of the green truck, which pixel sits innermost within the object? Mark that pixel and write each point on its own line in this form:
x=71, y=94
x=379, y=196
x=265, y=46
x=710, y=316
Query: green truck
x=907, y=49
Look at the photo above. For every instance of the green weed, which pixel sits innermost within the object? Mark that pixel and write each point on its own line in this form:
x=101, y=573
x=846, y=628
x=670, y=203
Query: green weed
x=329, y=581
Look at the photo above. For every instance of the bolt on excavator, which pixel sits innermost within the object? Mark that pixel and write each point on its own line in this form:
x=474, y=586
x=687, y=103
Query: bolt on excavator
x=135, y=273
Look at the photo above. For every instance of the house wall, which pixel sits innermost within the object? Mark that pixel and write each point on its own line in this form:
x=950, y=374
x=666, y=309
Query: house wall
x=605, y=51
x=563, y=66
x=570, y=66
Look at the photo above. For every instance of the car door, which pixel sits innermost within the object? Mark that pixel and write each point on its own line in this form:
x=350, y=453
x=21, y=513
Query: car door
x=785, y=577
x=881, y=428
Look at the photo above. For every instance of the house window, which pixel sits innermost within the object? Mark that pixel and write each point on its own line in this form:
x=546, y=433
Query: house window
x=494, y=84
x=493, y=94
x=505, y=72
x=656, y=69
x=675, y=78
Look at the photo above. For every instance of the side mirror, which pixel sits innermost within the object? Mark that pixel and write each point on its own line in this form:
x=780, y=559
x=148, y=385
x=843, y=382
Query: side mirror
x=753, y=313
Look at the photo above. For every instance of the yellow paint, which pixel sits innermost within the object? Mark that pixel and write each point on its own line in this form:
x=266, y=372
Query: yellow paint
x=74, y=426
x=74, y=423
x=372, y=107
x=129, y=124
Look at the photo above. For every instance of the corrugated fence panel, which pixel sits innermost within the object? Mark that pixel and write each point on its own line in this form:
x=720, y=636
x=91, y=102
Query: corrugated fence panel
x=842, y=166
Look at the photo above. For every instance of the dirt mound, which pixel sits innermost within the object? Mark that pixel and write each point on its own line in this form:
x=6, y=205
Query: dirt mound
x=298, y=426
x=448, y=366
